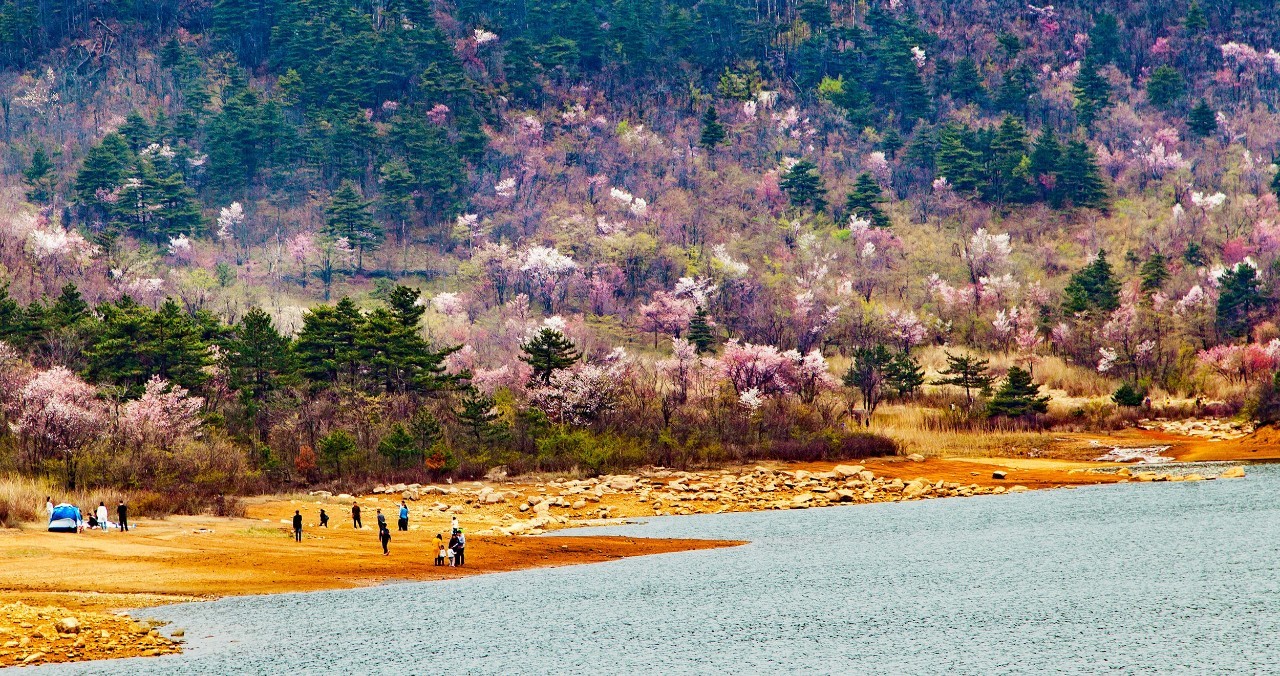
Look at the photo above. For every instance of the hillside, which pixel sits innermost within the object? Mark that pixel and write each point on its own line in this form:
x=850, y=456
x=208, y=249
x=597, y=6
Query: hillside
x=249, y=242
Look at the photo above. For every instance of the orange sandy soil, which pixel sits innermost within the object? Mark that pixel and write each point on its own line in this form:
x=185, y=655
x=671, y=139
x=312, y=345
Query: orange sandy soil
x=188, y=558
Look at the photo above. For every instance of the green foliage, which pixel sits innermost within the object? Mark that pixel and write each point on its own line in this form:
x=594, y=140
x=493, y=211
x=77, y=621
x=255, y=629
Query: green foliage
x=867, y=373
x=337, y=450
x=1104, y=39
x=903, y=376
x=1240, y=299
x=258, y=356
x=1154, y=273
x=1165, y=87
x=1093, y=289
x=713, y=133
x=1017, y=397
x=804, y=187
x=957, y=161
x=400, y=448
x=348, y=216
x=1092, y=92
x=700, y=332
x=1128, y=395
x=478, y=417
x=547, y=352
x=133, y=343
x=966, y=372
x=1195, y=21
x=39, y=177
x=1202, y=121
x=1080, y=182
x=865, y=201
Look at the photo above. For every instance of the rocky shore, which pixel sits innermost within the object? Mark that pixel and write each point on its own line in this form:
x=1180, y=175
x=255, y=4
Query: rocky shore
x=31, y=635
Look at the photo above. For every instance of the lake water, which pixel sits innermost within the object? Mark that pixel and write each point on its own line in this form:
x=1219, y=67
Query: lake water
x=1135, y=578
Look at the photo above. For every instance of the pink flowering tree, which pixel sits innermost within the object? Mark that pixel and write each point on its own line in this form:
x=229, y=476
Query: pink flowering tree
x=162, y=415
x=57, y=415
x=665, y=314
x=760, y=367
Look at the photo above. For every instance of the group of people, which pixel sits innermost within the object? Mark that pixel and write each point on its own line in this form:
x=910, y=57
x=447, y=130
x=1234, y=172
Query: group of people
x=451, y=554
x=99, y=519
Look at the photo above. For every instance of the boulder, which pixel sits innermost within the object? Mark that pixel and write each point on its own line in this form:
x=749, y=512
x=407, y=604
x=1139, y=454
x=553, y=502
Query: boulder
x=1193, y=477
x=846, y=471
x=845, y=495
x=622, y=483
x=867, y=475
x=493, y=498
x=998, y=474
x=1236, y=472
x=579, y=504
x=1145, y=476
x=68, y=625
x=410, y=494
x=916, y=488
x=1018, y=489
x=345, y=496
x=915, y=457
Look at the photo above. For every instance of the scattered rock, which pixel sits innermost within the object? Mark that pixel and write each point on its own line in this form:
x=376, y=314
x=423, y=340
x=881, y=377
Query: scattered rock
x=68, y=625
x=915, y=457
x=1236, y=472
x=998, y=474
x=33, y=657
x=846, y=471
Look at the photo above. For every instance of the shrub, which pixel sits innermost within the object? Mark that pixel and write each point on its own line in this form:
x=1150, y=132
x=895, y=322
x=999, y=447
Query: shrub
x=1128, y=395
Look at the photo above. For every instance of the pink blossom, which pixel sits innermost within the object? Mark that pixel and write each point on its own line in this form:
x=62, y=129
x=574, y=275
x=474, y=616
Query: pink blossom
x=161, y=416
x=58, y=411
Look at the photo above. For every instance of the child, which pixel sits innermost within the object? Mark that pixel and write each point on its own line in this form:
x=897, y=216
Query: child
x=440, y=549
x=324, y=519
x=385, y=536
x=448, y=555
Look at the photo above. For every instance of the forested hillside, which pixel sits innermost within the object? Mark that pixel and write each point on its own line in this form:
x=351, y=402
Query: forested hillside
x=248, y=242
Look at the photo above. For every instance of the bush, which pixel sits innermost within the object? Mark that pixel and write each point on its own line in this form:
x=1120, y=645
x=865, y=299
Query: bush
x=1128, y=395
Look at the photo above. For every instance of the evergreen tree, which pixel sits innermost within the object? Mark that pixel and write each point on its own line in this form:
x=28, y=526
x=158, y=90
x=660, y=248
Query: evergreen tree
x=136, y=131
x=400, y=448
x=1240, y=299
x=804, y=187
x=325, y=348
x=1154, y=273
x=967, y=372
x=69, y=309
x=966, y=81
x=403, y=302
x=104, y=168
x=1080, y=181
x=903, y=375
x=1194, y=255
x=1203, y=121
x=713, y=133
x=1046, y=157
x=1195, y=21
x=547, y=352
x=1093, y=289
x=1128, y=395
x=1104, y=39
x=1010, y=167
x=348, y=216
x=700, y=333
x=1092, y=91
x=336, y=450
x=1165, y=87
x=426, y=430
x=396, y=198
x=957, y=161
x=39, y=177
x=1017, y=397
x=865, y=201
x=867, y=374
x=479, y=418
x=1016, y=87
x=257, y=356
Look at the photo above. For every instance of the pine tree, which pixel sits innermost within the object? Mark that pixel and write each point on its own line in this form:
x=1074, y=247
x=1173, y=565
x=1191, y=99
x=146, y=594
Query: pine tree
x=1080, y=181
x=258, y=355
x=325, y=348
x=39, y=177
x=1104, y=39
x=1016, y=87
x=479, y=418
x=104, y=168
x=1092, y=91
x=967, y=372
x=1046, y=157
x=1240, y=299
x=966, y=81
x=336, y=450
x=713, y=133
x=957, y=161
x=1165, y=87
x=69, y=309
x=1009, y=168
x=348, y=216
x=1154, y=273
x=1128, y=395
x=400, y=448
x=547, y=352
x=425, y=428
x=903, y=375
x=804, y=186
x=699, y=332
x=1093, y=289
x=1017, y=397
x=1203, y=121
x=867, y=375
x=136, y=131
x=865, y=201
x=1195, y=21
x=395, y=200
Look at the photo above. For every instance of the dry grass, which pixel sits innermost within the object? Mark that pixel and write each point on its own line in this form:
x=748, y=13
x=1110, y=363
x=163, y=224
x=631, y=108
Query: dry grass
x=22, y=499
x=926, y=431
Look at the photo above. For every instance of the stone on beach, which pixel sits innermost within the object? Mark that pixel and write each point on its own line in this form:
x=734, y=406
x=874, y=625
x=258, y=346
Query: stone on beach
x=1236, y=472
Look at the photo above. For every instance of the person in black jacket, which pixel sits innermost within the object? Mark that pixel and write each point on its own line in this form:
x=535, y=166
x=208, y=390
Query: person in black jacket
x=297, y=526
x=384, y=536
x=355, y=516
x=382, y=520
x=122, y=515
x=324, y=519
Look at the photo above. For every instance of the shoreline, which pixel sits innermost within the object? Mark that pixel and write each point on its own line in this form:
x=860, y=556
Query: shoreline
x=197, y=558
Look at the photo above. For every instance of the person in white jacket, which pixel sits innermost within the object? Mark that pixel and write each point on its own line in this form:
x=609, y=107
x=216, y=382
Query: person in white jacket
x=102, y=516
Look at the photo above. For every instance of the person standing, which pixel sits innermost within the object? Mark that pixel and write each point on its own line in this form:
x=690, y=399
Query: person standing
x=382, y=520
x=459, y=556
x=440, y=554
x=355, y=516
x=122, y=516
x=297, y=526
x=403, y=524
x=324, y=519
x=454, y=525
x=384, y=536
x=48, y=505
x=102, y=516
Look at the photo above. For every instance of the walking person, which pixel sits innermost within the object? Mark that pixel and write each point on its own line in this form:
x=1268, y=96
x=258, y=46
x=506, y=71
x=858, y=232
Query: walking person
x=403, y=524
x=382, y=519
x=297, y=526
x=102, y=516
x=324, y=519
x=122, y=516
x=355, y=516
x=384, y=536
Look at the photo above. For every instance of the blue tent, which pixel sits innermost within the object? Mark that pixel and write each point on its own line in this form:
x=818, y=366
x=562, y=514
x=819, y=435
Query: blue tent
x=65, y=519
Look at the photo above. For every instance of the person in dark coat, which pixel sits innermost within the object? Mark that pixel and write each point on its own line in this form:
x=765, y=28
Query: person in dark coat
x=459, y=552
x=355, y=516
x=384, y=536
x=382, y=519
x=122, y=515
x=297, y=526
x=324, y=519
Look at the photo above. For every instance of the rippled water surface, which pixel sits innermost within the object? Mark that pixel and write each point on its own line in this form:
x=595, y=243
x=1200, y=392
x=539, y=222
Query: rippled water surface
x=1130, y=579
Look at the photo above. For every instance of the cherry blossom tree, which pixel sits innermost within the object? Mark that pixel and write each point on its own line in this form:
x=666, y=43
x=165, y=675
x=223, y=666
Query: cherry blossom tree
x=162, y=415
x=56, y=415
x=665, y=314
